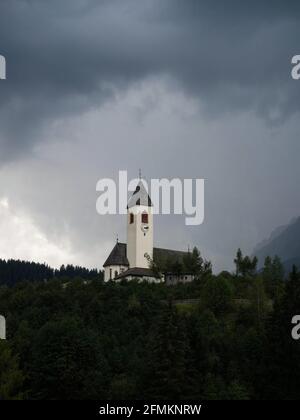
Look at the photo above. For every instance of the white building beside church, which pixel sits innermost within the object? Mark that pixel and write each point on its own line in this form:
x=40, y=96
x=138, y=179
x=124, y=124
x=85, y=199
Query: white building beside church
x=132, y=260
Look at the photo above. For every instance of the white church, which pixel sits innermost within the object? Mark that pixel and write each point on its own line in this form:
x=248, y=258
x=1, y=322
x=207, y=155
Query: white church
x=133, y=260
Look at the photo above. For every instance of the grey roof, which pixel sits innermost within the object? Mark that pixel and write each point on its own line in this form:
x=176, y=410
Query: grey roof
x=137, y=272
x=140, y=197
x=163, y=253
x=118, y=256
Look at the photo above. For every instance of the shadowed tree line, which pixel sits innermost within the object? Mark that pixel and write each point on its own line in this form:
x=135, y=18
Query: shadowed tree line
x=188, y=262
x=90, y=340
x=15, y=271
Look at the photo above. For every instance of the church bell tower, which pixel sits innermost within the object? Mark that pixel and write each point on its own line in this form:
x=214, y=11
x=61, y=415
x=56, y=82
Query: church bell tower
x=140, y=228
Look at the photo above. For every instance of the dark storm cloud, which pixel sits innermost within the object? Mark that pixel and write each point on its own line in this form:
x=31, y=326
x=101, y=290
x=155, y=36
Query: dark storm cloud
x=67, y=56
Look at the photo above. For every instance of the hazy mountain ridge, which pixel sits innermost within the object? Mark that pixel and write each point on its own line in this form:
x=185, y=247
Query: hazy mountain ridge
x=284, y=242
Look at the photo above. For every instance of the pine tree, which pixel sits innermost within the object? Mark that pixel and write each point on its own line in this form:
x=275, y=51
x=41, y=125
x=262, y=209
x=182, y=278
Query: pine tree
x=238, y=262
x=165, y=376
x=282, y=358
x=11, y=377
x=245, y=265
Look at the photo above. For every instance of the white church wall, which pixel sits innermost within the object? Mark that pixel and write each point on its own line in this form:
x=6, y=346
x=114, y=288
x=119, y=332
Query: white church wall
x=139, y=240
x=111, y=271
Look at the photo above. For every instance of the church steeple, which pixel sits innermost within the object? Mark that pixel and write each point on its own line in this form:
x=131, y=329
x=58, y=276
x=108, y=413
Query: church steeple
x=139, y=228
x=140, y=197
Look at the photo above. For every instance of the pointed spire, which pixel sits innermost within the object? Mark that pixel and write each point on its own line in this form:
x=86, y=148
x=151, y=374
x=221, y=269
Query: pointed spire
x=140, y=196
x=140, y=174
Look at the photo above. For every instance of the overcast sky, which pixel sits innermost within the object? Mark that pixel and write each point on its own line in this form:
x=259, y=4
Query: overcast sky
x=179, y=88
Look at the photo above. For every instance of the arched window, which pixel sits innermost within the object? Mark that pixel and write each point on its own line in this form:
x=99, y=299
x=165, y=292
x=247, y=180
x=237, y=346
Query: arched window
x=145, y=218
x=116, y=273
x=110, y=273
x=131, y=217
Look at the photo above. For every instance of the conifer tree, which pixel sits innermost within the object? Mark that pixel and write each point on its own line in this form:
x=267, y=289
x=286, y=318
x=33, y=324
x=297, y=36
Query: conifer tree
x=11, y=377
x=165, y=376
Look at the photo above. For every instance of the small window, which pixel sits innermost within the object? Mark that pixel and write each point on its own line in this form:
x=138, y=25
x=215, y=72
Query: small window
x=131, y=218
x=144, y=217
x=116, y=273
x=110, y=273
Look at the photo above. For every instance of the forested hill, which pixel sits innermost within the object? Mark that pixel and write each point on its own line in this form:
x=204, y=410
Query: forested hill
x=219, y=337
x=15, y=271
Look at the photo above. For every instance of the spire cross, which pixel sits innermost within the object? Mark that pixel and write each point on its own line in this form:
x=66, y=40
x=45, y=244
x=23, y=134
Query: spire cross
x=140, y=174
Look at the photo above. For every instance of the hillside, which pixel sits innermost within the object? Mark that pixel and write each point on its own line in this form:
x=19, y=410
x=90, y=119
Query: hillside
x=206, y=340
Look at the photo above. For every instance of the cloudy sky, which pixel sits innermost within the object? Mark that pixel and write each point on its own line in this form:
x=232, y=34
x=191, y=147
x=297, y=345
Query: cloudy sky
x=179, y=88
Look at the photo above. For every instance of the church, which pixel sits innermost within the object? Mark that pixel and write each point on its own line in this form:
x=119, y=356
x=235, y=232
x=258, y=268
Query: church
x=135, y=260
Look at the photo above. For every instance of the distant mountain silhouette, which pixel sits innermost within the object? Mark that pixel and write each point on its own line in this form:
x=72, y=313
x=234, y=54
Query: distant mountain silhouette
x=284, y=242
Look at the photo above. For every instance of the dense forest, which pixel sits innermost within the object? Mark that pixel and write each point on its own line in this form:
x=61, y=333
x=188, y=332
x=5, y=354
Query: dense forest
x=219, y=337
x=15, y=271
